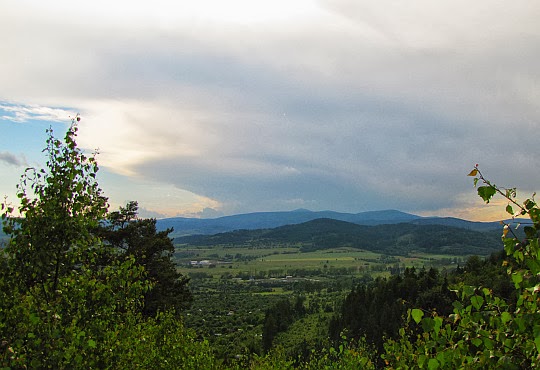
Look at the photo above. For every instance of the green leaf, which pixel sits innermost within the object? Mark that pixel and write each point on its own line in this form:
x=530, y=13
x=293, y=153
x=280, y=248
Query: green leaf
x=421, y=360
x=477, y=301
x=437, y=321
x=505, y=317
x=486, y=192
x=520, y=322
x=417, y=315
x=488, y=343
x=91, y=343
x=34, y=319
x=428, y=324
x=537, y=343
x=441, y=358
x=467, y=291
x=509, y=209
x=509, y=246
x=517, y=278
x=529, y=204
x=477, y=342
x=433, y=364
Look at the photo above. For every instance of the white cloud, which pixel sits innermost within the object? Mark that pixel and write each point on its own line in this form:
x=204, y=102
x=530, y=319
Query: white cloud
x=153, y=195
x=24, y=113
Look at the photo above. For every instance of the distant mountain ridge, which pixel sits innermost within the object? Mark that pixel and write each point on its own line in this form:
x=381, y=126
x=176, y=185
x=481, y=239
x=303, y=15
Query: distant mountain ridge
x=268, y=220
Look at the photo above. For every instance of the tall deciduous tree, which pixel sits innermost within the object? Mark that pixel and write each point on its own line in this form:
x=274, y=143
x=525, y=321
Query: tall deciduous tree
x=60, y=208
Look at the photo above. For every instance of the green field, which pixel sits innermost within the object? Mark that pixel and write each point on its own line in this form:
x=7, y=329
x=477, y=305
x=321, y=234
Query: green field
x=245, y=263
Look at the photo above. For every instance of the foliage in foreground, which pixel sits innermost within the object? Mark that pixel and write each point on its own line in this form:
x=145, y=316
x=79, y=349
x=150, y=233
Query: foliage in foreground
x=484, y=330
x=66, y=299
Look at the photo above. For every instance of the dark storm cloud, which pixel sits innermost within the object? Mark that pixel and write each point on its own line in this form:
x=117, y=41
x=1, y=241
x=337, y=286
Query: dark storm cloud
x=12, y=159
x=361, y=106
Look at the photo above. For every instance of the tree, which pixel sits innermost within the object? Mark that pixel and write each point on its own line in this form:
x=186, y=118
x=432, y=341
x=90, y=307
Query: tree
x=57, y=301
x=60, y=209
x=139, y=238
x=484, y=330
x=65, y=301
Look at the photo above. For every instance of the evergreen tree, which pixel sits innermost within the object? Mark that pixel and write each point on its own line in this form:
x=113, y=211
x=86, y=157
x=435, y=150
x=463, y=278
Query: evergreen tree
x=139, y=238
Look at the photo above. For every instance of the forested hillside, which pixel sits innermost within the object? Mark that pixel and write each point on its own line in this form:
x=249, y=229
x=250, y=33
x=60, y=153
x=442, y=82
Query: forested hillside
x=396, y=239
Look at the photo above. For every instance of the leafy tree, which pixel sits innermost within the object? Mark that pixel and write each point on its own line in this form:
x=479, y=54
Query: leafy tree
x=65, y=303
x=139, y=238
x=484, y=330
x=59, y=210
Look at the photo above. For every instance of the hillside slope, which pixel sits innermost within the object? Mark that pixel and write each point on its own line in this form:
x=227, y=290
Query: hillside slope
x=398, y=239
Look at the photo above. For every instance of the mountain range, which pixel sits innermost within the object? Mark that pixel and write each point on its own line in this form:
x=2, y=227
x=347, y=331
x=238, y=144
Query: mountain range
x=389, y=231
x=268, y=220
x=325, y=233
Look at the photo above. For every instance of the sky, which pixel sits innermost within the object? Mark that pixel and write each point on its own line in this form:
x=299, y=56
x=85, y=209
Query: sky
x=211, y=108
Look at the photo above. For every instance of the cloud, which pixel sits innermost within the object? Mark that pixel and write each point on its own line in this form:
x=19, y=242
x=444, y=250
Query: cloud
x=146, y=213
x=24, y=113
x=205, y=213
x=12, y=159
x=350, y=105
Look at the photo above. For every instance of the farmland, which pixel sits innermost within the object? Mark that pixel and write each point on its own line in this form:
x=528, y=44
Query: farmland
x=234, y=287
x=280, y=262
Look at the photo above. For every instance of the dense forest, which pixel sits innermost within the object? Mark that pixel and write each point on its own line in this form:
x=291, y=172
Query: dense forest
x=82, y=287
x=394, y=239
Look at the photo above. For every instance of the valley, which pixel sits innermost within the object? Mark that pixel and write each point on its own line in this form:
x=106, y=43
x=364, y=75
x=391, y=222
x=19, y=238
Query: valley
x=238, y=278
